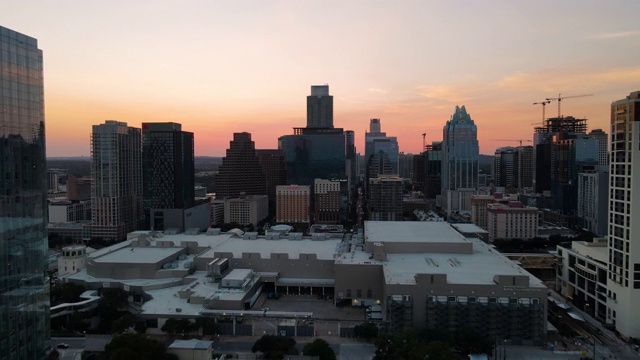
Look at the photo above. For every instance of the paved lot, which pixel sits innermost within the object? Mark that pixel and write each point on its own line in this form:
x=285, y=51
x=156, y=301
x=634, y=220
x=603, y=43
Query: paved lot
x=357, y=351
x=534, y=353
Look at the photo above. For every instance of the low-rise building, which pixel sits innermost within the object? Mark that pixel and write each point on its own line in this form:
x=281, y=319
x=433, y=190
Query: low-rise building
x=421, y=274
x=193, y=349
x=582, y=276
x=479, y=206
x=327, y=201
x=63, y=210
x=293, y=203
x=512, y=221
x=244, y=210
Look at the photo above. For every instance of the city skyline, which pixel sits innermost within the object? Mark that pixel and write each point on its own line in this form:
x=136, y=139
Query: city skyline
x=225, y=67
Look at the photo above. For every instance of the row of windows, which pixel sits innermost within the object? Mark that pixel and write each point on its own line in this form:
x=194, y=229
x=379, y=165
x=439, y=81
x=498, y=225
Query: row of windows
x=482, y=300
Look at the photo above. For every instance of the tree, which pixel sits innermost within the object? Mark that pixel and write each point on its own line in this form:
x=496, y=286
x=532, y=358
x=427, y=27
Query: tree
x=66, y=292
x=112, y=311
x=124, y=322
x=320, y=348
x=439, y=350
x=405, y=345
x=134, y=346
x=366, y=331
x=470, y=342
x=275, y=346
x=180, y=326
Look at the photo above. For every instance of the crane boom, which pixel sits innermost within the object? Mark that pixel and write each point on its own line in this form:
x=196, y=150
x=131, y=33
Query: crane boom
x=544, y=105
x=518, y=140
x=560, y=98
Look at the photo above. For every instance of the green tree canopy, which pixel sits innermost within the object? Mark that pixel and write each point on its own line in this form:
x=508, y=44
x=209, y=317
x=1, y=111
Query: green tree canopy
x=406, y=345
x=134, y=346
x=181, y=326
x=320, y=348
x=66, y=292
x=439, y=350
x=470, y=342
x=275, y=346
x=366, y=331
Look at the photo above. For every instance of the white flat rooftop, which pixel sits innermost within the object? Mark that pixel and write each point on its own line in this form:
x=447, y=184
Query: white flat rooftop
x=477, y=268
x=411, y=231
x=137, y=255
x=469, y=228
x=83, y=276
x=238, y=274
x=324, y=249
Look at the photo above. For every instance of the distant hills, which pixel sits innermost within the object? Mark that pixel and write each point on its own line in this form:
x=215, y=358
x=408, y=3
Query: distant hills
x=81, y=165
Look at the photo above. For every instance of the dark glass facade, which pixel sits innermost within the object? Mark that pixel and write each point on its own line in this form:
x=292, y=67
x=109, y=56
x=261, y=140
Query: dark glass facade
x=241, y=170
x=168, y=167
x=314, y=155
x=24, y=289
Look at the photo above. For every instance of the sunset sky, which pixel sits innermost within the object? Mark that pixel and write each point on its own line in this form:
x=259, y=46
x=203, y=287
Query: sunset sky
x=220, y=67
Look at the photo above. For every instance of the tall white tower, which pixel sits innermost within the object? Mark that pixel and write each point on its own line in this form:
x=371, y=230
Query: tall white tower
x=624, y=215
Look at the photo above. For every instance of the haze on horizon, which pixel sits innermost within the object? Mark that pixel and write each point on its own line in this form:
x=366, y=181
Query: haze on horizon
x=219, y=67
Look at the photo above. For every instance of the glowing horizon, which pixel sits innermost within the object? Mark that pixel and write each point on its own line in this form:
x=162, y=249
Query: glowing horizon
x=232, y=66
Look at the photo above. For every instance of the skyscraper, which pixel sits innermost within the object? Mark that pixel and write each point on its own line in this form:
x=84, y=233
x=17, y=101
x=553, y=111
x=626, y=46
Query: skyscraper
x=624, y=211
x=272, y=161
x=377, y=141
x=460, y=153
x=313, y=153
x=504, y=165
x=433, y=170
x=385, y=198
x=603, y=149
x=24, y=292
x=545, y=141
x=168, y=174
x=241, y=171
x=116, y=189
x=167, y=160
x=524, y=166
x=320, y=108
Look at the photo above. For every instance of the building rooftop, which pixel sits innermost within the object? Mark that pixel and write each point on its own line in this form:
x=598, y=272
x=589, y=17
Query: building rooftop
x=324, y=249
x=477, y=268
x=137, y=255
x=469, y=228
x=412, y=232
x=192, y=344
x=596, y=250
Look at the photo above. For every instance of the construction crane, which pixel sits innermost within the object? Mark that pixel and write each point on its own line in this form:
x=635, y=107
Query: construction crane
x=518, y=140
x=544, y=105
x=560, y=98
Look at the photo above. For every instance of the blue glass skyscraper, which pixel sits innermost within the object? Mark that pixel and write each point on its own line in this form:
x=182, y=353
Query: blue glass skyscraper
x=377, y=142
x=24, y=297
x=460, y=154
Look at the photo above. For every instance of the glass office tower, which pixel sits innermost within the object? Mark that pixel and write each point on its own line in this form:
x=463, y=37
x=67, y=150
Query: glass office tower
x=24, y=295
x=314, y=154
